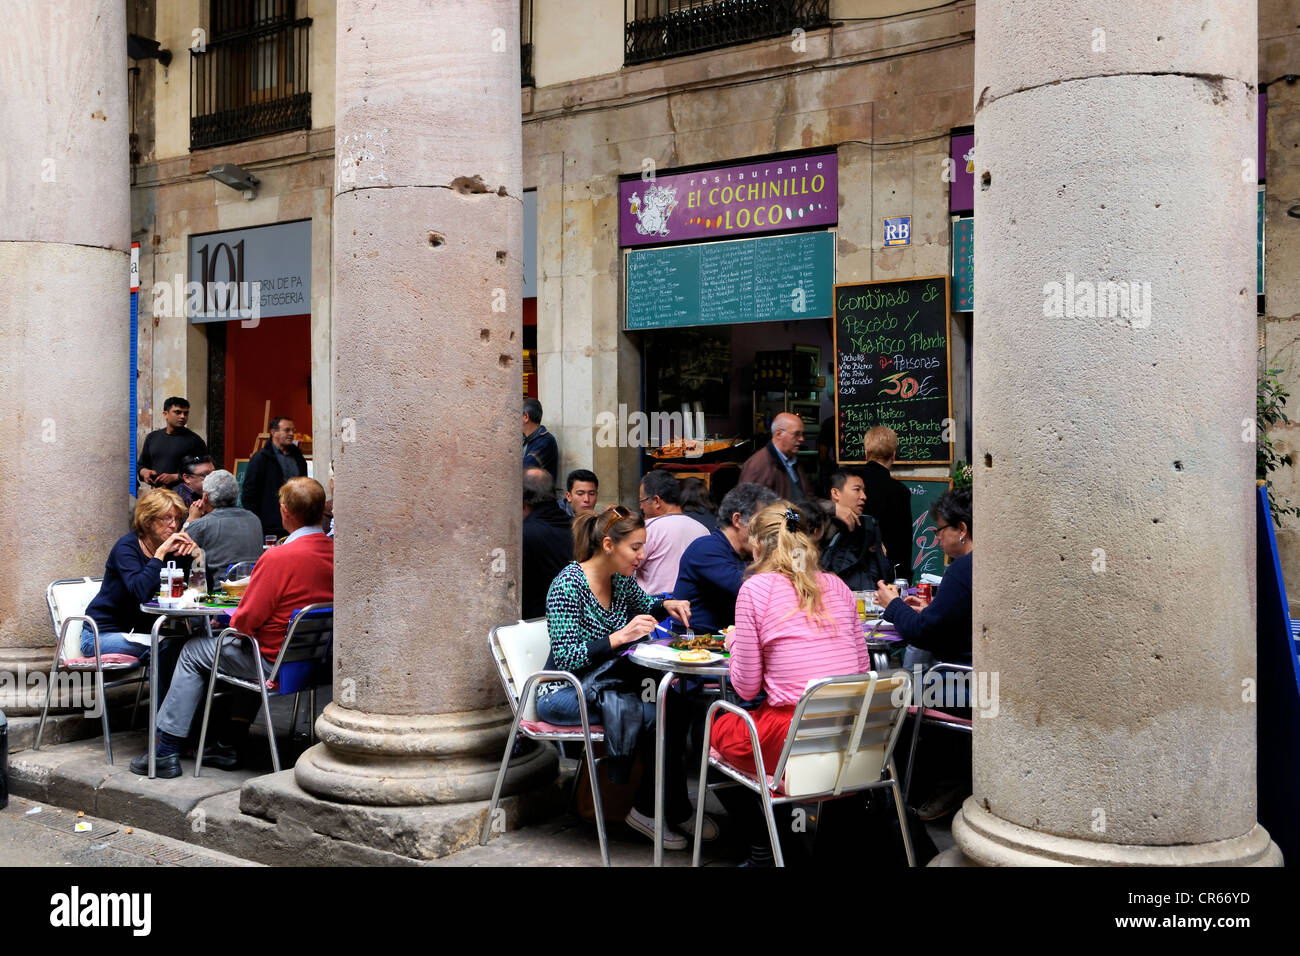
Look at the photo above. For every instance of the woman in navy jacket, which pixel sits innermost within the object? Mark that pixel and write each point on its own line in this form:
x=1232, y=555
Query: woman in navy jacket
x=944, y=627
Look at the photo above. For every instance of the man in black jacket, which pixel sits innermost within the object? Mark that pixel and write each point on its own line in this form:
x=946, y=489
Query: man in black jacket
x=277, y=462
x=548, y=541
x=852, y=549
x=888, y=500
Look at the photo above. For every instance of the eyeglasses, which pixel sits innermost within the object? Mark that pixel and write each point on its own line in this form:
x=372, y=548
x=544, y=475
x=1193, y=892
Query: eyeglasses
x=941, y=527
x=614, y=514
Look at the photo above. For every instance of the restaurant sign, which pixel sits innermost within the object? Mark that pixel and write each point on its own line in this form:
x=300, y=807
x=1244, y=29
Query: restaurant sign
x=250, y=274
x=729, y=201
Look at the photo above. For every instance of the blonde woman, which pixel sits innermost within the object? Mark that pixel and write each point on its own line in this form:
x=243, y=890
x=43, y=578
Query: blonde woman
x=794, y=623
x=131, y=573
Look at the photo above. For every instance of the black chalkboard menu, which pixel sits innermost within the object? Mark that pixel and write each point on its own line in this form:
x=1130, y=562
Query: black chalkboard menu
x=892, y=367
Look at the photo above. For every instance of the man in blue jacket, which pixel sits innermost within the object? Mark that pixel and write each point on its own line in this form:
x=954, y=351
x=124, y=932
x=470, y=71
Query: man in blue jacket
x=540, y=450
x=713, y=567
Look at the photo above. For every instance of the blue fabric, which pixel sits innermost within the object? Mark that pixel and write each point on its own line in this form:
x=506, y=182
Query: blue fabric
x=561, y=707
x=110, y=642
x=540, y=450
x=303, y=532
x=709, y=576
x=944, y=628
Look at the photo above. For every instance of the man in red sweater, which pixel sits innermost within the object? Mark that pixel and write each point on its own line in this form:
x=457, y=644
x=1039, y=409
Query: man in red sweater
x=297, y=573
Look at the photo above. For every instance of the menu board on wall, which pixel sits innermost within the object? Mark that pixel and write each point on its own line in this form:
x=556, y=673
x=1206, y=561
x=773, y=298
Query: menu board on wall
x=927, y=555
x=773, y=279
x=892, y=367
x=963, y=265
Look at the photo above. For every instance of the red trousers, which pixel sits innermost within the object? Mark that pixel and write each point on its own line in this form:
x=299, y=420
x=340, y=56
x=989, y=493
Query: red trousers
x=731, y=737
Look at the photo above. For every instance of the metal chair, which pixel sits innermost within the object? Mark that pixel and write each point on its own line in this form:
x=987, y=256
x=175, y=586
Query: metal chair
x=302, y=657
x=68, y=599
x=933, y=716
x=841, y=740
x=520, y=651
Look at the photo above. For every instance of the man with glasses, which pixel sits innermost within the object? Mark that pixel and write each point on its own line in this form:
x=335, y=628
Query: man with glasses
x=163, y=451
x=776, y=464
x=193, y=470
x=667, y=532
x=278, y=461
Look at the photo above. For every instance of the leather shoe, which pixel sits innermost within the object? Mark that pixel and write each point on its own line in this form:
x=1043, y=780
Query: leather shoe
x=166, y=767
x=221, y=757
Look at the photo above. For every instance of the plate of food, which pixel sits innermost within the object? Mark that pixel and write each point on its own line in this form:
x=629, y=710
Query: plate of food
x=698, y=656
x=700, y=642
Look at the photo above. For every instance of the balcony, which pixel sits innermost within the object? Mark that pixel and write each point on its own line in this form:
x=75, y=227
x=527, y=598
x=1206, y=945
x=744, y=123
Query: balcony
x=659, y=29
x=250, y=82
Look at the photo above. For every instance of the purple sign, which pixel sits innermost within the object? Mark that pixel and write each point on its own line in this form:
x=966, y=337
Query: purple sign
x=730, y=201
x=961, y=194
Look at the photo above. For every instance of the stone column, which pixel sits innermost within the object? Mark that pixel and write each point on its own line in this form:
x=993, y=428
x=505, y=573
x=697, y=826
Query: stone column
x=428, y=221
x=1114, y=564
x=64, y=309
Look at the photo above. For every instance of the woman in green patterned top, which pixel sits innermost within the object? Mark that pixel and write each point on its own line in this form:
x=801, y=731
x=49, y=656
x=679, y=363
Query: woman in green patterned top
x=593, y=609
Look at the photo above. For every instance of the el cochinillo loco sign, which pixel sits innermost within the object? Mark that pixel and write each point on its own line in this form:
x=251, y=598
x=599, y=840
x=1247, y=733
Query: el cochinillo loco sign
x=730, y=201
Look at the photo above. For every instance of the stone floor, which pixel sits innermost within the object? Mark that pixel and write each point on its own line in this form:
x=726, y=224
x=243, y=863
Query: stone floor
x=271, y=822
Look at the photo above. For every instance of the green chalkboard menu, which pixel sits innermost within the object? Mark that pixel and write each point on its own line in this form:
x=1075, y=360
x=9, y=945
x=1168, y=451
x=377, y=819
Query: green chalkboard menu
x=892, y=367
x=772, y=279
x=927, y=556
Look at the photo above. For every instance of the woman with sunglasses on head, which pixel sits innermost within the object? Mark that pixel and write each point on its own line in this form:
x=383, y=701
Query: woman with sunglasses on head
x=794, y=623
x=943, y=628
x=594, y=609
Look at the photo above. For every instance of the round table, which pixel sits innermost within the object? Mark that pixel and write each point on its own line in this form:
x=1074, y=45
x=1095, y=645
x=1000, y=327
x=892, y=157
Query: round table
x=672, y=669
x=208, y=613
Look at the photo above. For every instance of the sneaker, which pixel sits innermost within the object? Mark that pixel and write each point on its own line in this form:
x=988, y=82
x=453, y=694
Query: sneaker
x=708, y=833
x=645, y=826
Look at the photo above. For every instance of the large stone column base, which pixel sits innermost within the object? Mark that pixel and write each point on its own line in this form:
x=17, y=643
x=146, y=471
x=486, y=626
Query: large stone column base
x=385, y=760
x=22, y=692
x=988, y=840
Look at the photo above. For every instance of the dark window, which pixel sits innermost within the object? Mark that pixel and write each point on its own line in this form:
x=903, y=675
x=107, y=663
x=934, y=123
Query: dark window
x=658, y=29
x=526, y=42
x=251, y=77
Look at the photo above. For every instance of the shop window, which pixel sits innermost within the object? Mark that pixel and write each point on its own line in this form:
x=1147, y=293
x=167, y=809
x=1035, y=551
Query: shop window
x=659, y=29
x=248, y=77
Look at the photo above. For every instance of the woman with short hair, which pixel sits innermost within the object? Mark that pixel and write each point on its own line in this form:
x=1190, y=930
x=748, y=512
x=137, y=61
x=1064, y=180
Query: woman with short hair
x=131, y=575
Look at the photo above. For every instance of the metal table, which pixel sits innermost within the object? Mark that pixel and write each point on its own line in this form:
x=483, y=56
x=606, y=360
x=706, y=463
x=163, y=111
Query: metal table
x=164, y=613
x=672, y=670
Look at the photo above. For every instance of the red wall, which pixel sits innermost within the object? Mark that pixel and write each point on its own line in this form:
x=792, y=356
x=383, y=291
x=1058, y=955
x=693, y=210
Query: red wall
x=270, y=361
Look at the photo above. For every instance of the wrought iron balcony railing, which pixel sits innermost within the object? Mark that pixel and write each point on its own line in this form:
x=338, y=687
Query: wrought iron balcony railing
x=251, y=82
x=658, y=29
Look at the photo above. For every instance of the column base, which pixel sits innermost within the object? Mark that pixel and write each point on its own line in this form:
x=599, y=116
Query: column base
x=988, y=840
x=384, y=760
x=24, y=675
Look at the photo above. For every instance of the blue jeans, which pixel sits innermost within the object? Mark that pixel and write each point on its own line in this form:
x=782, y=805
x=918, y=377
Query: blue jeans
x=561, y=708
x=110, y=642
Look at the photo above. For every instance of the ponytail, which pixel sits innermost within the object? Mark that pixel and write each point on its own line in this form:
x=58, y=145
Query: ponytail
x=782, y=531
x=590, y=529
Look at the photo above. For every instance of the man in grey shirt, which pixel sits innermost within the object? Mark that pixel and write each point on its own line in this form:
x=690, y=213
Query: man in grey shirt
x=226, y=534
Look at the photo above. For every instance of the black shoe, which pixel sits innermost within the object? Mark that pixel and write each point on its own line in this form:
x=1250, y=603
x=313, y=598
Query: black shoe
x=221, y=757
x=166, y=767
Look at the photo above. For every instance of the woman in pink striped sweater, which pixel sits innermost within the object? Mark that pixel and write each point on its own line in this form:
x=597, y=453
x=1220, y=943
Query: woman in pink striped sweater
x=794, y=623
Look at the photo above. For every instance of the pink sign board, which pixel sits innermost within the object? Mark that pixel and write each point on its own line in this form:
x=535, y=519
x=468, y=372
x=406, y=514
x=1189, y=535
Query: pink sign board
x=772, y=196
